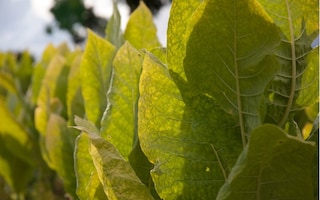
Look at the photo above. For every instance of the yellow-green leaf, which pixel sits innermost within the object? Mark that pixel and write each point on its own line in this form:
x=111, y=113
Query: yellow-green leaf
x=141, y=31
x=88, y=183
x=178, y=30
x=95, y=75
x=119, y=124
x=115, y=173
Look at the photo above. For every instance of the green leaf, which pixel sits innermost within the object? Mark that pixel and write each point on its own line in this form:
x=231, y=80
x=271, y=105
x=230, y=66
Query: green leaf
x=141, y=31
x=88, y=183
x=178, y=30
x=298, y=21
x=16, y=139
x=40, y=70
x=24, y=71
x=75, y=102
x=274, y=165
x=289, y=15
x=59, y=146
x=297, y=85
x=7, y=82
x=49, y=84
x=120, y=121
x=115, y=173
x=142, y=168
x=183, y=135
x=95, y=75
x=49, y=87
x=17, y=172
x=37, y=77
x=231, y=58
x=119, y=124
x=113, y=31
x=309, y=87
x=314, y=137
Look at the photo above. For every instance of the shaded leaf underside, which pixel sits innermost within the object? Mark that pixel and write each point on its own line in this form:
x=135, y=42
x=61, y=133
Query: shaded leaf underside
x=296, y=85
x=233, y=63
x=271, y=168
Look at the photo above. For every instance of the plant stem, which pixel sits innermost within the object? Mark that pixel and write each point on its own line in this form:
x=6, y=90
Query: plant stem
x=293, y=72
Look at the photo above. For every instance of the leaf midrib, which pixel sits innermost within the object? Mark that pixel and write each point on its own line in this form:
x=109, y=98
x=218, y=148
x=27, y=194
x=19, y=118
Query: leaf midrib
x=237, y=78
x=293, y=72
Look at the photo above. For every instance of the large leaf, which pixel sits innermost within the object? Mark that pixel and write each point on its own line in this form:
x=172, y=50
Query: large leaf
x=115, y=173
x=141, y=31
x=274, y=165
x=180, y=15
x=293, y=88
x=297, y=85
x=184, y=136
x=119, y=124
x=231, y=58
x=88, y=183
x=95, y=75
x=120, y=121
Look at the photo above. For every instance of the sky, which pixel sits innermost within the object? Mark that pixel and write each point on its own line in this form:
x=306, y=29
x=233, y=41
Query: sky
x=23, y=22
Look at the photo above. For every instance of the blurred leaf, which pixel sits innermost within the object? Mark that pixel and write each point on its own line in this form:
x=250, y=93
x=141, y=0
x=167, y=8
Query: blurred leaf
x=95, y=76
x=16, y=151
x=40, y=70
x=119, y=124
x=24, y=71
x=88, y=183
x=115, y=173
x=7, y=82
x=59, y=143
x=17, y=172
x=190, y=140
x=312, y=111
x=141, y=31
x=113, y=31
x=49, y=86
x=75, y=102
x=274, y=165
x=17, y=140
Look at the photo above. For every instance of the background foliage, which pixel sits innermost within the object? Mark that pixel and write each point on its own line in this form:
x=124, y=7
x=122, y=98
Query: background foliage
x=226, y=111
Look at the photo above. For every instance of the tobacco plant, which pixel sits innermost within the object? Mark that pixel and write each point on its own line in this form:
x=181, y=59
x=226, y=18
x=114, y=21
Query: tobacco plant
x=226, y=111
